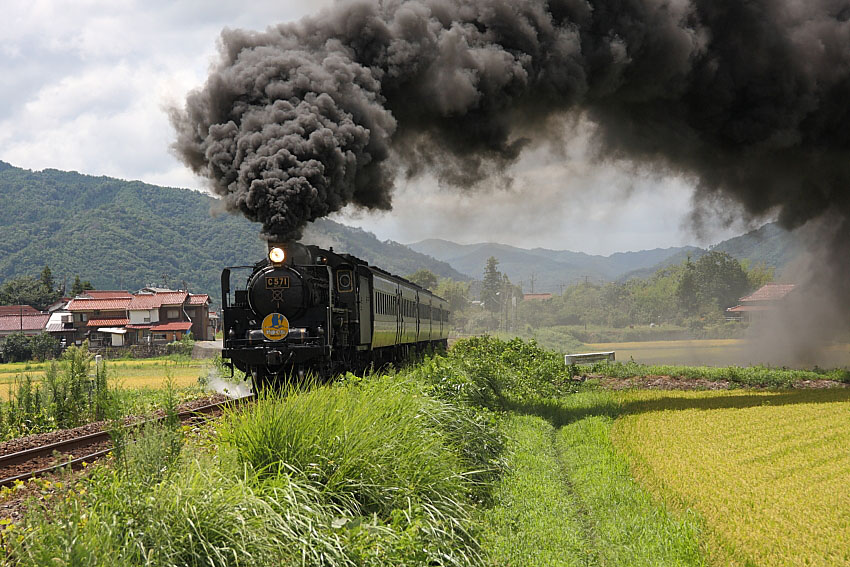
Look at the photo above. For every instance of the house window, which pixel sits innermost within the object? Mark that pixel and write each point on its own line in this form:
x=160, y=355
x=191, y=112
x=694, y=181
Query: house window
x=147, y=319
x=172, y=313
x=84, y=317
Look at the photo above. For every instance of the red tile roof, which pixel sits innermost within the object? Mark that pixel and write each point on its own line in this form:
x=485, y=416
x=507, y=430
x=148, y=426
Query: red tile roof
x=199, y=299
x=27, y=322
x=750, y=308
x=18, y=309
x=110, y=322
x=146, y=301
x=105, y=293
x=174, y=326
x=769, y=292
x=109, y=304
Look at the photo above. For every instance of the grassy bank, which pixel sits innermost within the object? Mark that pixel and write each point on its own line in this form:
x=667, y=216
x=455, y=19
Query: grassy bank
x=569, y=498
x=742, y=376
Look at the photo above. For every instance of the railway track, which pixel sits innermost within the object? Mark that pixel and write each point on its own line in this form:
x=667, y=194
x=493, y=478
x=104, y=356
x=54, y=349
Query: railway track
x=48, y=458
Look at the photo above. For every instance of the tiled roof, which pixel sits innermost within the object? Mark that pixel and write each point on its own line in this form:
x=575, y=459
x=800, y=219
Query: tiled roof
x=27, y=322
x=109, y=304
x=145, y=301
x=105, y=293
x=749, y=308
x=769, y=292
x=112, y=322
x=18, y=309
x=174, y=326
x=199, y=299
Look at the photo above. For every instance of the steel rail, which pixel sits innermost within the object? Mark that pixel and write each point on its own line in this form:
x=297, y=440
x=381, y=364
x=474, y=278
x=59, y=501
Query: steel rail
x=68, y=445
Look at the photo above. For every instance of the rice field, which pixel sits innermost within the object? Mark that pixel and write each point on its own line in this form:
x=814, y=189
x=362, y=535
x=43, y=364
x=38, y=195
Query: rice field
x=718, y=352
x=766, y=471
x=128, y=374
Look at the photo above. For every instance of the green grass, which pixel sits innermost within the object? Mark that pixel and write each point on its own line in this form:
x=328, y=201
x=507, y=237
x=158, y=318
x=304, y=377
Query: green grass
x=536, y=520
x=379, y=448
x=752, y=376
x=569, y=497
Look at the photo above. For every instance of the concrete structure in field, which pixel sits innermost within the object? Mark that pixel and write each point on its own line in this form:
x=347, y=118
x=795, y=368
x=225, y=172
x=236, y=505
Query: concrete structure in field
x=762, y=301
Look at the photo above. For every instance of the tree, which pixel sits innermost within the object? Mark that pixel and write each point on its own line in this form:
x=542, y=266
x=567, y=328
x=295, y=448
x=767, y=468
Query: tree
x=47, y=278
x=687, y=290
x=720, y=279
x=17, y=348
x=492, y=286
x=25, y=290
x=456, y=293
x=424, y=278
x=80, y=286
x=44, y=347
x=759, y=274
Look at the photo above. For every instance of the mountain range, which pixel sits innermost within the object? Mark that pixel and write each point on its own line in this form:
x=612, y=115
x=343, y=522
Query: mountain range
x=551, y=270
x=128, y=234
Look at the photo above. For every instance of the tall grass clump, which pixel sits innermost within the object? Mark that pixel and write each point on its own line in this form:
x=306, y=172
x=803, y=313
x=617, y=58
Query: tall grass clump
x=68, y=396
x=200, y=515
x=379, y=449
x=492, y=373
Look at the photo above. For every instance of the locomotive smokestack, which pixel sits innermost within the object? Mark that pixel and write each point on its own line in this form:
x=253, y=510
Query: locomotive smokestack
x=748, y=99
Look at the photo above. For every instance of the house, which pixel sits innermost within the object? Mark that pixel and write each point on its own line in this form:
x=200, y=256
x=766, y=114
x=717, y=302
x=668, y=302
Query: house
x=26, y=322
x=119, y=318
x=100, y=318
x=158, y=316
x=198, y=310
x=61, y=326
x=762, y=301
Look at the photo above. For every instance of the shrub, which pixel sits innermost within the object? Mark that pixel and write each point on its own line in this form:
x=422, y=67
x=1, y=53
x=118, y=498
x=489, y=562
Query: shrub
x=44, y=347
x=17, y=348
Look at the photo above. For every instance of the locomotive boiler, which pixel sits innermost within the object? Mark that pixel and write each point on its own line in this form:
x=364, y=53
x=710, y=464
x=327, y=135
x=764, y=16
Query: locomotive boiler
x=306, y=309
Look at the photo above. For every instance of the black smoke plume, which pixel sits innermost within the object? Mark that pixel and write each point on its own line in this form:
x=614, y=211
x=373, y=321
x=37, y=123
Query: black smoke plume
x=751, y=99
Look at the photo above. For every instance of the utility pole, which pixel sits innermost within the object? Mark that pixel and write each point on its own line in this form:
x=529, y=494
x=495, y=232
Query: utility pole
x=532, y=282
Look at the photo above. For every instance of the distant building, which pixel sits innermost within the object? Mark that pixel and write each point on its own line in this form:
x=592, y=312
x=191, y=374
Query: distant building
x=536, y=296
x=762, y=301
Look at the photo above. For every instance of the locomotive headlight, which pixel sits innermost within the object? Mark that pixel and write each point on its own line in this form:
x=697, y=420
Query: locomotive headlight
x=277, y=255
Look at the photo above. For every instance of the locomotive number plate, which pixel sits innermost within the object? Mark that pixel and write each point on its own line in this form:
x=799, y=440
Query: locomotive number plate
x=277, y=282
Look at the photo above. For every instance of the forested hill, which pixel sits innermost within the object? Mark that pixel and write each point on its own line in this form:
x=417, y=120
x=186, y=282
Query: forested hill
x=551, y=269
x=128, y=234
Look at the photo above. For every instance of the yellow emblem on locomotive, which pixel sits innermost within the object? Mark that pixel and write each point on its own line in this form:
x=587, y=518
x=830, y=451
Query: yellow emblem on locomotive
x=275, y=326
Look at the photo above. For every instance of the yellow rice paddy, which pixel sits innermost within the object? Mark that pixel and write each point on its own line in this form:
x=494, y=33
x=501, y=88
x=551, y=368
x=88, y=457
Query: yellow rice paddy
x=130, y=374
x=769, y=472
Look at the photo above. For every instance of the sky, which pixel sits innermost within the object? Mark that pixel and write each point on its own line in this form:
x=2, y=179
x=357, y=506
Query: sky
x=86, y=84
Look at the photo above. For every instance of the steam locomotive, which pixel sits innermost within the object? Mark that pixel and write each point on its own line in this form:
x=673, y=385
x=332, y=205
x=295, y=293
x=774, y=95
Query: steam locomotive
x=306, y=309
